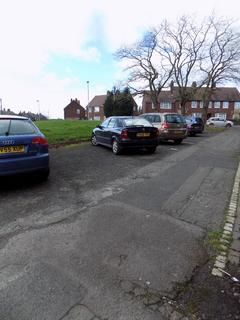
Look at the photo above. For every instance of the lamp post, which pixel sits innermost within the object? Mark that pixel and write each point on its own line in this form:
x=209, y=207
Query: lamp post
x=88, y=99
x=38, y=106
x=0, y=106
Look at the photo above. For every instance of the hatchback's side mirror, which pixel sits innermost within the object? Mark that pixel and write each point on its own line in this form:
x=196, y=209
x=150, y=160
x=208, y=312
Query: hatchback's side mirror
x=99, y=126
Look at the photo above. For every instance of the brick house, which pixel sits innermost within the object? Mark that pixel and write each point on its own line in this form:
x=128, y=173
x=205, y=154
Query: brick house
x=74, y=110
x=224, y=102
x=95, y=108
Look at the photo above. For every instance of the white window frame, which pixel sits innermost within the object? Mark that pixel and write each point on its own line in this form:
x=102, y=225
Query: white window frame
x=211, y=105
x=78, y=111
x=165, y=105
x=221, y=115
x=217, y=104
x=201, y=104
x=225, y=104
x=237, y=105
x=194, y=104
x=97, y=109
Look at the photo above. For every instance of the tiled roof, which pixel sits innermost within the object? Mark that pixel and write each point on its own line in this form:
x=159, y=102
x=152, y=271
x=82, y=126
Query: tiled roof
x=97, y=101
x=219, y=94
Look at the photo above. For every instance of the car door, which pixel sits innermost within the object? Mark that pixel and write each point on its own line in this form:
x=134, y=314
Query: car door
x=109, y=131
x=100, y=131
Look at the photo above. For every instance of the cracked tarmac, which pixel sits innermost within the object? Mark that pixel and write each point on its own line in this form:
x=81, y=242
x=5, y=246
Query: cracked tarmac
x=109, y=237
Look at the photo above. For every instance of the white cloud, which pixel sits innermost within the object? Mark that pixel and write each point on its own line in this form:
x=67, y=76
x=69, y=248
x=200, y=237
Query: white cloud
x=31, y=31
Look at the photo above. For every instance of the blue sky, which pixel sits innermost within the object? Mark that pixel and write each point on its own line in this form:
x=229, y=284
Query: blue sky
x=51, y=48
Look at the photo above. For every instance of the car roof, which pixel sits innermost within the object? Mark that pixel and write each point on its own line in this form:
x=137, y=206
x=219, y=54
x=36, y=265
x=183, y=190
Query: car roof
x=159, y=113
x=6, y=116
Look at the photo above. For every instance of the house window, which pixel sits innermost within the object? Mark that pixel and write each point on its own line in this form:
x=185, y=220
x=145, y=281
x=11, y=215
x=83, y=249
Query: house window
x=78, y=111
x=91, y=109
x=201, y=104
x=165, y=105
x=216, y=104
x=225, y=104
x=210, y=105
x=237, y=105
x=197, y=114
x=194, y=104
x=96, y=118
x=96, y=109
x=221, y=115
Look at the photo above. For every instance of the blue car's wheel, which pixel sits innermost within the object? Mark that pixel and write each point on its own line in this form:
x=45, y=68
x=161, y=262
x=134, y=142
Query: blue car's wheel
x=94, y=140
x=116, y=149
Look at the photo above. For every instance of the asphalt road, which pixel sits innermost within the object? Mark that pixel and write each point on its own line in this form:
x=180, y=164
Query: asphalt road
x=108, y=237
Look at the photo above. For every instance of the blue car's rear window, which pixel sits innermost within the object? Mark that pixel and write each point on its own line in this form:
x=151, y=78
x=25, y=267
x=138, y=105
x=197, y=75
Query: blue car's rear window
x=16, y=127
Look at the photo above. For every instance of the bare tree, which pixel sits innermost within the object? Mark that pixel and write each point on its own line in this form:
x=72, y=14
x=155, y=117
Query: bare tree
x=149, y=72
x=181, y=45
x=220, y=62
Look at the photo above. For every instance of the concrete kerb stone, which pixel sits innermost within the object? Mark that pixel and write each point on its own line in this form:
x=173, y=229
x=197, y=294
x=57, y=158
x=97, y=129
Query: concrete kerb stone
x=230, y=231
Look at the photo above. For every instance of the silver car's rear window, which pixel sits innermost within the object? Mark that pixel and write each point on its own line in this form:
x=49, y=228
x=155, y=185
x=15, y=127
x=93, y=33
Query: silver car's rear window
x=174, y=118
x=136, y=122
x=16, y=127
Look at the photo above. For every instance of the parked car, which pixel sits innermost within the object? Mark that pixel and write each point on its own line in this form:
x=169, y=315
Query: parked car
x=171, y=126
x=122, y=132
x=194, y=125
x=23, y=148
x=219, y=122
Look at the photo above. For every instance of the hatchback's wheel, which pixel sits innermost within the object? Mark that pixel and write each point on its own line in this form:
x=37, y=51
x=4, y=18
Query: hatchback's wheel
x=116, y=147
x=43, y=174
x=151, y=150
x=228, y=125
x=178, y=141
x=94, y=140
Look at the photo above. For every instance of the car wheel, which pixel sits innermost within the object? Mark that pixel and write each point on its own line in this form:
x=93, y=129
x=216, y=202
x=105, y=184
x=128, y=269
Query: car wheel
x=228, y=125
x=116, y=149
x=151, y=150
x=43, y=175
x=178, y=141
x=94, y=140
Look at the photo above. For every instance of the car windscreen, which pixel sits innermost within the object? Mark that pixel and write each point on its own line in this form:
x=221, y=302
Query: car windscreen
x=136, y=122
x=16, y=127
x=174, y=118
x=153, y=118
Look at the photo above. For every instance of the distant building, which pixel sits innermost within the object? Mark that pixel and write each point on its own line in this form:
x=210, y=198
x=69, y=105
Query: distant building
x=224, y=102
x=74, y=110
x=95, y=108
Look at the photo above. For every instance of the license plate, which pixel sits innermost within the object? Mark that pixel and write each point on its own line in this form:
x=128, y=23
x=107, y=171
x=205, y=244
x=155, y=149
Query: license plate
x=11, y=149
x=177, y=131
x=143, y=134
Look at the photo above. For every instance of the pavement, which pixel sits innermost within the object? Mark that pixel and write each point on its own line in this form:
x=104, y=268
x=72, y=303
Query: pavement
x=128, y=248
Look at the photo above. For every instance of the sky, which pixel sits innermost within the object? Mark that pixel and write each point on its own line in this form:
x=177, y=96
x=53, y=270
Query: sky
x=49, y=49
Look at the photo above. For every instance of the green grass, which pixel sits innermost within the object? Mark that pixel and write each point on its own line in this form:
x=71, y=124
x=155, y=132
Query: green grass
x=66, y=131
x=214, y=129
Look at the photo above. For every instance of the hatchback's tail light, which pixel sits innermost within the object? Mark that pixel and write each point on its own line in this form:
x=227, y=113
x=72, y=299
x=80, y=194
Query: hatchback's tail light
x=124, y=134
x=40, y=140
x=165, y=125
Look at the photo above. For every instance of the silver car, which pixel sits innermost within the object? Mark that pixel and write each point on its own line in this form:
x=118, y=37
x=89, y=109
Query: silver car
x=219, y=122
x=171, y=126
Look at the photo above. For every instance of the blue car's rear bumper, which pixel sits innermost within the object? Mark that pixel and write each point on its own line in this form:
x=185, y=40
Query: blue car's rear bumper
x=13, y=166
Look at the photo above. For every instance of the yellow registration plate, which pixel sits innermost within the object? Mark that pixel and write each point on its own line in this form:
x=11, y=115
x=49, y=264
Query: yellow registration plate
x=11, y=149
x=143, y=134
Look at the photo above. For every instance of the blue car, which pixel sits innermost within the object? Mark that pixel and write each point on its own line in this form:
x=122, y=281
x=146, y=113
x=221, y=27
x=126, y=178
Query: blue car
x=23, y=148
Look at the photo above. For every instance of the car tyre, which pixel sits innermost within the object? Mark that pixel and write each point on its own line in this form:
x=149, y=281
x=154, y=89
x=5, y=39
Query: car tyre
x=151, y=150
x=228, y=125
x=178, y=141
x=116, y=149
x=43, y=175
x=94, y=140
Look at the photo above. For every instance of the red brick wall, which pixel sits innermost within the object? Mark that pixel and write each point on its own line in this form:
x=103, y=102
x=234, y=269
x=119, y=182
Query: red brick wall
x=70, y=112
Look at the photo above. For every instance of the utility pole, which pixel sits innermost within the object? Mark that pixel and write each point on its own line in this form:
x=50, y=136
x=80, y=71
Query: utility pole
x=0, y=106
x=87, y=98
x=38, y=105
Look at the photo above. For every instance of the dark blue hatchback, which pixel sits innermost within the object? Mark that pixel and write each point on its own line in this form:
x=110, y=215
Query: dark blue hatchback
x=23, y=148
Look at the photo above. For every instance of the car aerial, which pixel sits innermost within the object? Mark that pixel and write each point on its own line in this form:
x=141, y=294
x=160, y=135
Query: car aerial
x=194, y=125
x=219, y=122
x=126, y=132
x=171, y=126
x=23, y=148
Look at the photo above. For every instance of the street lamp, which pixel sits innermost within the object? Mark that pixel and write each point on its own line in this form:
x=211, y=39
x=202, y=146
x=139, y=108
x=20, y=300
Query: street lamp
x=38, y=106
x=87, y=98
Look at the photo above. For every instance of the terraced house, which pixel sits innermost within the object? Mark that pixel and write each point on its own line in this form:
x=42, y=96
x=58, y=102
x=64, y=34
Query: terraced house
x=95, y=108
x=224, y=102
